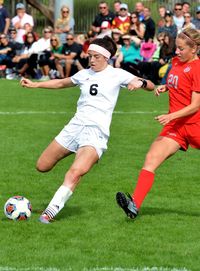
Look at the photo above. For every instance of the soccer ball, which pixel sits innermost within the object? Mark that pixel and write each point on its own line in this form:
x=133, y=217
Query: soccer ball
x=18, y=208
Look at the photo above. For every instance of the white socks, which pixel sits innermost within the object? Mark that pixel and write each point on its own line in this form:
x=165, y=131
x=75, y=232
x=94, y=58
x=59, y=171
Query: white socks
x=58, y=201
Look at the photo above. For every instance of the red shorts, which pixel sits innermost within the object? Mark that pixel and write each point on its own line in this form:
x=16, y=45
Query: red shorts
x=183, y=134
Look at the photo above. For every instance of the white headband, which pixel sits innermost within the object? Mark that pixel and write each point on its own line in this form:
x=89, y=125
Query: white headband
x=99, y=49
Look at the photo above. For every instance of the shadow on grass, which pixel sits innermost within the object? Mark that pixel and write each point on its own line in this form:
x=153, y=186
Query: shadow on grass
x=165, y=211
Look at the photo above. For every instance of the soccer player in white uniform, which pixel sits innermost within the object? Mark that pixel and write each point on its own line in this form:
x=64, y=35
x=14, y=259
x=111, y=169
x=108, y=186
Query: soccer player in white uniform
x=88, y=131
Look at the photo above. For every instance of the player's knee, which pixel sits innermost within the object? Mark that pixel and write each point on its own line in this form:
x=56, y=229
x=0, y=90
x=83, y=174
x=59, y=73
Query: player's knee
x=42, y=167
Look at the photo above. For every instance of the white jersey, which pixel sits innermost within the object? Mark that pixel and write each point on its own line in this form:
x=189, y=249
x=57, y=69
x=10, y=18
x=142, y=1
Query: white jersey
x=99, y=93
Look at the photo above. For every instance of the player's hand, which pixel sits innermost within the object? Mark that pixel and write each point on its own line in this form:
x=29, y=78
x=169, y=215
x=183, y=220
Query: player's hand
x=164, y=119
x=134, y=84
x=27, y=83
x=160, y=89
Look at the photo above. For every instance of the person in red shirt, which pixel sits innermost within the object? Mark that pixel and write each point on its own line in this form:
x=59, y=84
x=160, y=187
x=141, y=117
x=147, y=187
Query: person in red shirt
x=181, y=124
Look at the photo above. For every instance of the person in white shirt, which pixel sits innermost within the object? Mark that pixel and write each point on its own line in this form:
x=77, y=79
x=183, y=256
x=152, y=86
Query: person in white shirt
x=88, y=131
x=20, y=20
x=178, y=16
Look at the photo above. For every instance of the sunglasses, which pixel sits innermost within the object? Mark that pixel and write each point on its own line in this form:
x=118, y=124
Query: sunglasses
x=102, y=7
x=178, y=8
x=187, y=16
x=46, y=31
x=65, y=11
x=122, y=9
x=53, y=39
x=69, y=39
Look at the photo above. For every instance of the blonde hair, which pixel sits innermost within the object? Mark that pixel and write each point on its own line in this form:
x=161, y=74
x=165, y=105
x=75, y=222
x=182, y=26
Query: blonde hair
x=58, y=41
x=191, y=37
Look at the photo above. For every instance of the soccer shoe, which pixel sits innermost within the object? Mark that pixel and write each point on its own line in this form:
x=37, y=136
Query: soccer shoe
x=127, y=204
x=45, y=219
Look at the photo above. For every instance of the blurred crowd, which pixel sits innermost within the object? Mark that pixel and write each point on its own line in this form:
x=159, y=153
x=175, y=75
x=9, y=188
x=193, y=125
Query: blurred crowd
x=145, y=47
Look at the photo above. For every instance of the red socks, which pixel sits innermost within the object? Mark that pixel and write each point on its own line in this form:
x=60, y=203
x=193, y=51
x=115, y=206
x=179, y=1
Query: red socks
x=144, y=184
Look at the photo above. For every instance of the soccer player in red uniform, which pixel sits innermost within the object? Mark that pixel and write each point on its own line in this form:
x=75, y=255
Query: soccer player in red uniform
x=181, y=124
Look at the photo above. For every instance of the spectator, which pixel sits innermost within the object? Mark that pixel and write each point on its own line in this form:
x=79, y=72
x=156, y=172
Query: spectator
x=178, y=16
x=137, y=29
x=151, y=69
x=84, y=57
x=116, y=7
x=169, y=26
x=161, y=20
x=160, y=41
x=139, y=8
x=186, y=7
x=149, y=25
x=7, y=52
x=13, y=39
x=20, y=20
x=122, y=21
x=104, y=15
x=70, y=52
x=117, y=37
x=187, y=21
x=129, y=56
x=105, y=30
x=21, y=61
x=196, y=20
x=64, y=24
x=4, y=18
x=147, y=50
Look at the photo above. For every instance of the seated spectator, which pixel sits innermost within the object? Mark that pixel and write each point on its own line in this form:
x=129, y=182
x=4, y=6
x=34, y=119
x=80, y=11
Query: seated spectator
x=149, y=25
x=137, y=29
x=56, y=50
x=64, y=24
x=122, y=21
x=7, y=52
x=67, y=59
x=129, y=55
x=147, y=50
x=196, y=20
x=169, y=26
x=160, y=41
x=161, y=20
x=187, y=21
x=117, y=37
x=139, y=8
x=20, y=20
x=150, y=70
x=105, y=30
x=104, y=15
x=22, y=61
x=12, y=33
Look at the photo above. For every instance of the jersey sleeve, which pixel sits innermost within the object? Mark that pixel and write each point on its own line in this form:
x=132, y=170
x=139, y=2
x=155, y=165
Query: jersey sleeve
x=78, y=77
x=125, y=77
x=195, y=78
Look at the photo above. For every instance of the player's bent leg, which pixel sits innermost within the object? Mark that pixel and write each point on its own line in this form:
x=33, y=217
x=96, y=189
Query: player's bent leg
x=85, y=158
x=161, y=149
x=50, y=156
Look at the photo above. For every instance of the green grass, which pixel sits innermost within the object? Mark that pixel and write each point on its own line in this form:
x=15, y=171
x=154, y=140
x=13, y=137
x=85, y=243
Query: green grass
x=91, y=233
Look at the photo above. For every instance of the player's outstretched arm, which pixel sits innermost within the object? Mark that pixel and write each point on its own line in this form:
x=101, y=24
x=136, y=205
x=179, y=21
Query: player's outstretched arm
x=138, y=82
x=54, y=84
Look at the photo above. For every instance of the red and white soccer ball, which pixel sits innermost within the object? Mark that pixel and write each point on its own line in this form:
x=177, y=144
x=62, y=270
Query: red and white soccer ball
x=18, y=208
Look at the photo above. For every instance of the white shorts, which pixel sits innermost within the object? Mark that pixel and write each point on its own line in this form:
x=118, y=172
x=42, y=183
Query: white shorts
x=74, y=136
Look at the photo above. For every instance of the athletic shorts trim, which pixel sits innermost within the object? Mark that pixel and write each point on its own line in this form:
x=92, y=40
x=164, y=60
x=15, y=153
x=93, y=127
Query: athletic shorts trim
x=74, y=136
x=183, y=134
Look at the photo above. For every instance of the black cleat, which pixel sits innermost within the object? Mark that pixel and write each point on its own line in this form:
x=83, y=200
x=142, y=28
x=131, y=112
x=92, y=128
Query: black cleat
x=127, y=204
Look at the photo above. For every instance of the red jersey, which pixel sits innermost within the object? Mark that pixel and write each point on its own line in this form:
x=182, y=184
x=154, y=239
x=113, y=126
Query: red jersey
x=122, y=25
x=182, y=80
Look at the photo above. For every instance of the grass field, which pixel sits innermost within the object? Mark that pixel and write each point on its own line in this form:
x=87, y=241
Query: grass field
x=91, y=233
